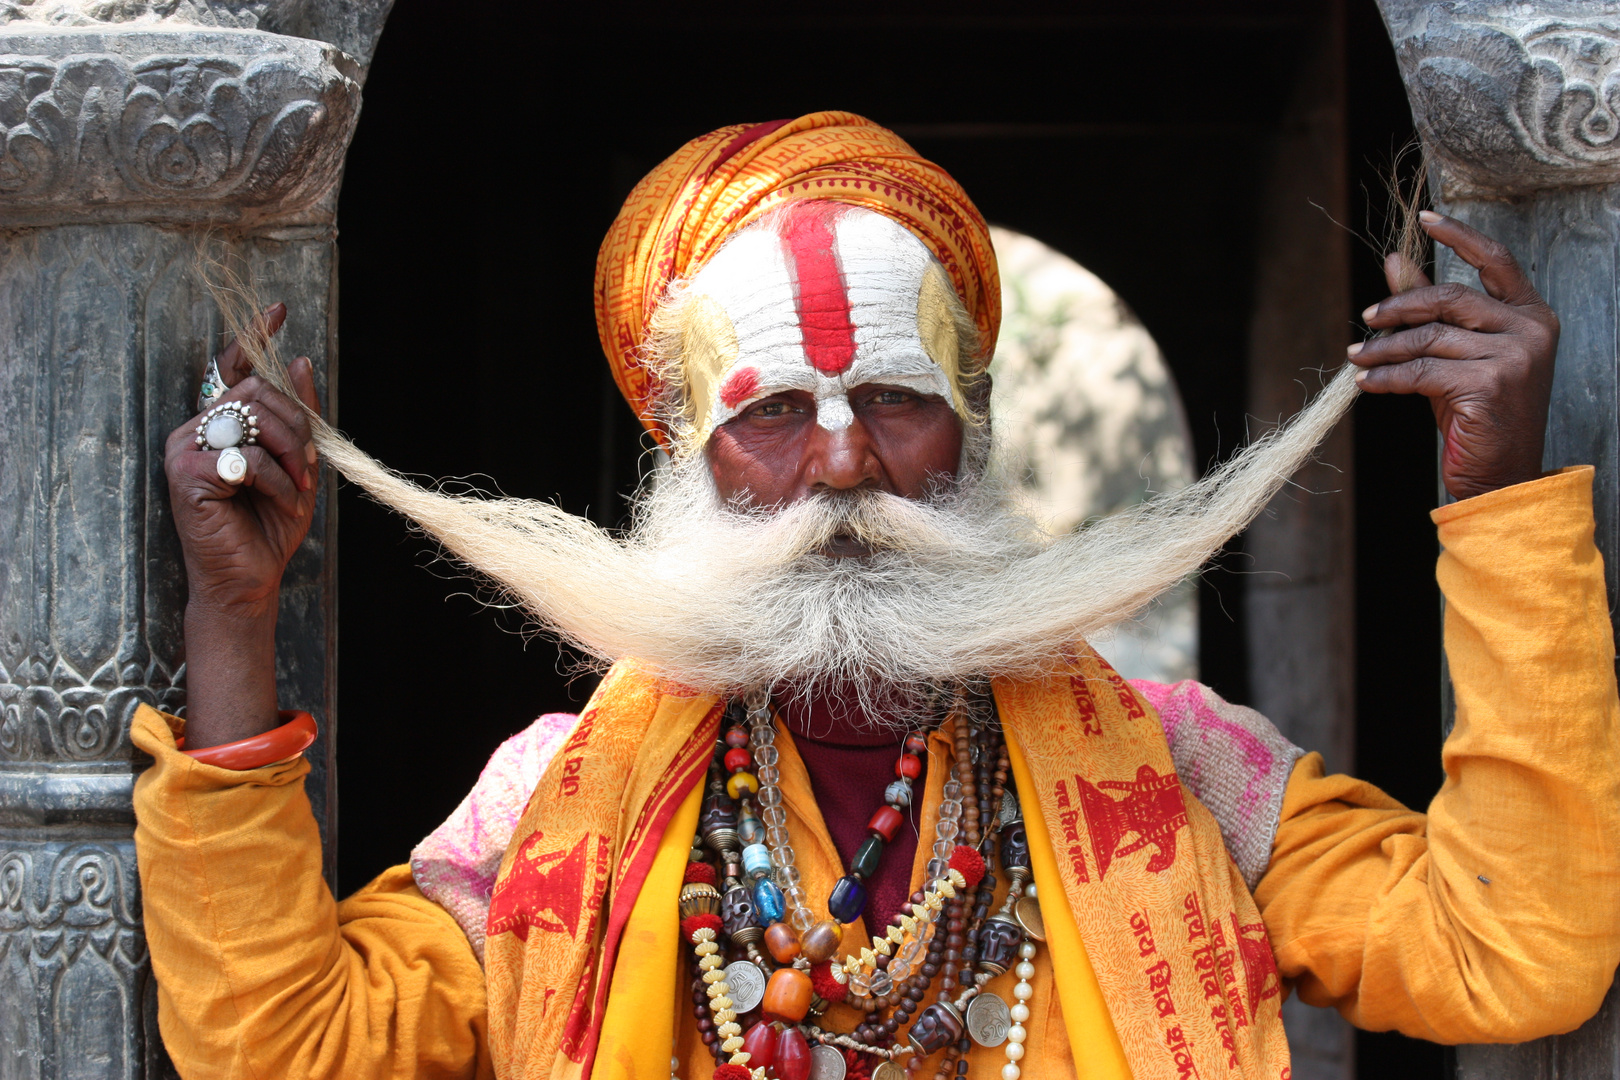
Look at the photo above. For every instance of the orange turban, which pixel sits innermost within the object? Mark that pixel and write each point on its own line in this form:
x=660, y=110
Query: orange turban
x=685, y=209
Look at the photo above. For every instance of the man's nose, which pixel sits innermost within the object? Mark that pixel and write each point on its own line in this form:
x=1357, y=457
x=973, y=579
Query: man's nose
x=841, y=460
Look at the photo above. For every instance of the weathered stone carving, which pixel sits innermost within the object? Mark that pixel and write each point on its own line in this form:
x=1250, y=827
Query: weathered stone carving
x=128, y=130
x=234, y=128
x=49, y=710
x=1512, y=98
x=240, y=15
x=73, y=964
x=351, y=25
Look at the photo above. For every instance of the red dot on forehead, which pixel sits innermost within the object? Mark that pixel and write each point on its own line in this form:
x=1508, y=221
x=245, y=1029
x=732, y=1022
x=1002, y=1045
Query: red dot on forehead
x=822, y=302
x=739, y=386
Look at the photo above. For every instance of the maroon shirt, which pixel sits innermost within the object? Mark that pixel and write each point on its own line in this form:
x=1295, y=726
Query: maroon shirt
x=849, y=766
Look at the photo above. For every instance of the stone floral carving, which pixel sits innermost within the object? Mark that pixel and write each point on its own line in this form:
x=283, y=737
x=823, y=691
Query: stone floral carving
x=242, y=15
x=58, y=888
x=141, y=124
x=73, y=953
x=1512, y=98
x=196, y=136
x=351, y=25
x=49, y=710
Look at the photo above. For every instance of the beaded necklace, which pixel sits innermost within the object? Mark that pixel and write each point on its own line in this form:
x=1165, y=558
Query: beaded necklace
x=743, y=890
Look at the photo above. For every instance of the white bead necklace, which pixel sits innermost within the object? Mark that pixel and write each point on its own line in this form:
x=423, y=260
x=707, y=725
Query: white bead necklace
x=1023, y=991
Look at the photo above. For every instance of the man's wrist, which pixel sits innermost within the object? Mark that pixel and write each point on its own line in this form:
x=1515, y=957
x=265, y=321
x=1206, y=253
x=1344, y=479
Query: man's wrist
x=230, y=672
x=1499, y=484
x=206, y=606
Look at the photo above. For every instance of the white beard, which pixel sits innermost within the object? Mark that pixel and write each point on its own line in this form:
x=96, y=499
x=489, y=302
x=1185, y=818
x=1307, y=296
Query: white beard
x=957, y=588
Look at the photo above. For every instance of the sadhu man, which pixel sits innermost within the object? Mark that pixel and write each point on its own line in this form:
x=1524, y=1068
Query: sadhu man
x=856, y=798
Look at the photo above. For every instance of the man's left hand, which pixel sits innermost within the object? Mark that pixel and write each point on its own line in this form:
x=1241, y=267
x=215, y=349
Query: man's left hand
x=1485, y=362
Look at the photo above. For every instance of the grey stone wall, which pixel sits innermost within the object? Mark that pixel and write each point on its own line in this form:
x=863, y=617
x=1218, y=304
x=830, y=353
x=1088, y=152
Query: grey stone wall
x=129, y=134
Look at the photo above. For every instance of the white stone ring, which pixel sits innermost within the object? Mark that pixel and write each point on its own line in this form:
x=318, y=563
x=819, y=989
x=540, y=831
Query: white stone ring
x=227, y=425
x=226, y=428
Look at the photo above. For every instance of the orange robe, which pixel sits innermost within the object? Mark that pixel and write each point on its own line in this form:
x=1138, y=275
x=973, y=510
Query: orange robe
x=1495, y=917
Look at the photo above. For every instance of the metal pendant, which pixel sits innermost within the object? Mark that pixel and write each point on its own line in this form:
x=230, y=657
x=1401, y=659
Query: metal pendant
x=827, y=1063
x=1009, y=811
x=988, y=1019
x=889, y=1071
x=747, y=984
x=1028, y=913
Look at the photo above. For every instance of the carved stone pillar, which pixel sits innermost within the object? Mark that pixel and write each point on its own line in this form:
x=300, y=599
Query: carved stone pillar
x=1519, y=106
x=128, y=131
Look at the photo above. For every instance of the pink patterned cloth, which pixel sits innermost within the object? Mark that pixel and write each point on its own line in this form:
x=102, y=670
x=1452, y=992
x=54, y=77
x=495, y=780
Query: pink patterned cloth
x=456, y=865
x=1232, y=759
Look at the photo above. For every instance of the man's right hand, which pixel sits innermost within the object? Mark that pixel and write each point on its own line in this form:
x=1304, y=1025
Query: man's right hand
x=237, y=540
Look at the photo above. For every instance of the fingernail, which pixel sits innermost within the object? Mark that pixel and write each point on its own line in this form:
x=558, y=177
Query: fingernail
x=1428, y=217
x=309, y=452
x=1361, y=376
x=1369, y=313
x=1354, y=349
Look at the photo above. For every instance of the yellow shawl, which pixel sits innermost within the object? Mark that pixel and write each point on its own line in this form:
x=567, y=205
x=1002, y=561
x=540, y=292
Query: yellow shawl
x=1157, y=921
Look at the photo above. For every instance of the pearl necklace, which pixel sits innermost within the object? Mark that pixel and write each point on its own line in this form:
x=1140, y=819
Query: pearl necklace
x=764, y=902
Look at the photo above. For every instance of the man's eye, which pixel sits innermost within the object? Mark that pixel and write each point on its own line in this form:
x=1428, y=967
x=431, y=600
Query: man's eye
x=772, y=408
x=892, y=397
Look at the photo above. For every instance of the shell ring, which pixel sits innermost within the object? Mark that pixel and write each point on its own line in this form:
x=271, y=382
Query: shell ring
x=226, y=428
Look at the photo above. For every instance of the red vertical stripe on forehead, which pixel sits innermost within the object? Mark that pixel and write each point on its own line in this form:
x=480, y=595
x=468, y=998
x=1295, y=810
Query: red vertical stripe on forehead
x=819, y=294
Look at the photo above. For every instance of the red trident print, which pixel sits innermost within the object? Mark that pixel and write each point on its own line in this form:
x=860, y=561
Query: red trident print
x=537, y=884
x=1151, y=808
x=1259, y=964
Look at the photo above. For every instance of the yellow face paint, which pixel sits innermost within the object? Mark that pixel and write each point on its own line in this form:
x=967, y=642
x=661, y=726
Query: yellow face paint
x=937, y=328
x=708, y=350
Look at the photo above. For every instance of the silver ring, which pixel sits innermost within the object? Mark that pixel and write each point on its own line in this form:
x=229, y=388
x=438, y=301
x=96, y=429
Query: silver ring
x=232, y=465
x=212, y=386
x=231, y=424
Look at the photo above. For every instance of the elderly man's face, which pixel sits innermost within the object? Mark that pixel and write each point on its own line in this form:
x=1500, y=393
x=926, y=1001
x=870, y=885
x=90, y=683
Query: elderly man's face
x=821, y=354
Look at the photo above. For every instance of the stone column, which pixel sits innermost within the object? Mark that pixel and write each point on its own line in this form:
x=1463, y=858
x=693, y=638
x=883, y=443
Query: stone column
x=128, y=133
x=1518, y=105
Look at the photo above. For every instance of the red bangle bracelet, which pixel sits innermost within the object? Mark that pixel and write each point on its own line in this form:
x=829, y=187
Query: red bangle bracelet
x=289, y=740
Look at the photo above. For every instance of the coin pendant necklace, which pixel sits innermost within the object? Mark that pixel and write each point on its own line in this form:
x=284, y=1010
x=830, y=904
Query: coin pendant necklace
x=759, y=949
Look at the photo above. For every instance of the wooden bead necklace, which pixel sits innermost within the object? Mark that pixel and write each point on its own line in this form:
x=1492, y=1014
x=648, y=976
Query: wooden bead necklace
x=752, y=895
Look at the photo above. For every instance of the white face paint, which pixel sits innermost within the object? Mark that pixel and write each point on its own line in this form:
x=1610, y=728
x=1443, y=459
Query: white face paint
x=829, y=299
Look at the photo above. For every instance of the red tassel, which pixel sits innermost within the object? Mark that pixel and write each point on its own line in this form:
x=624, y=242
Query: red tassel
x=700, y=872
x=823, y=983
x=970, y=863
x=729, y=1071
x=693, y=923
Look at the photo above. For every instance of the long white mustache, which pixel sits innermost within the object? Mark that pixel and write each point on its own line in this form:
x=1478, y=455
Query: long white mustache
x=957, y=588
